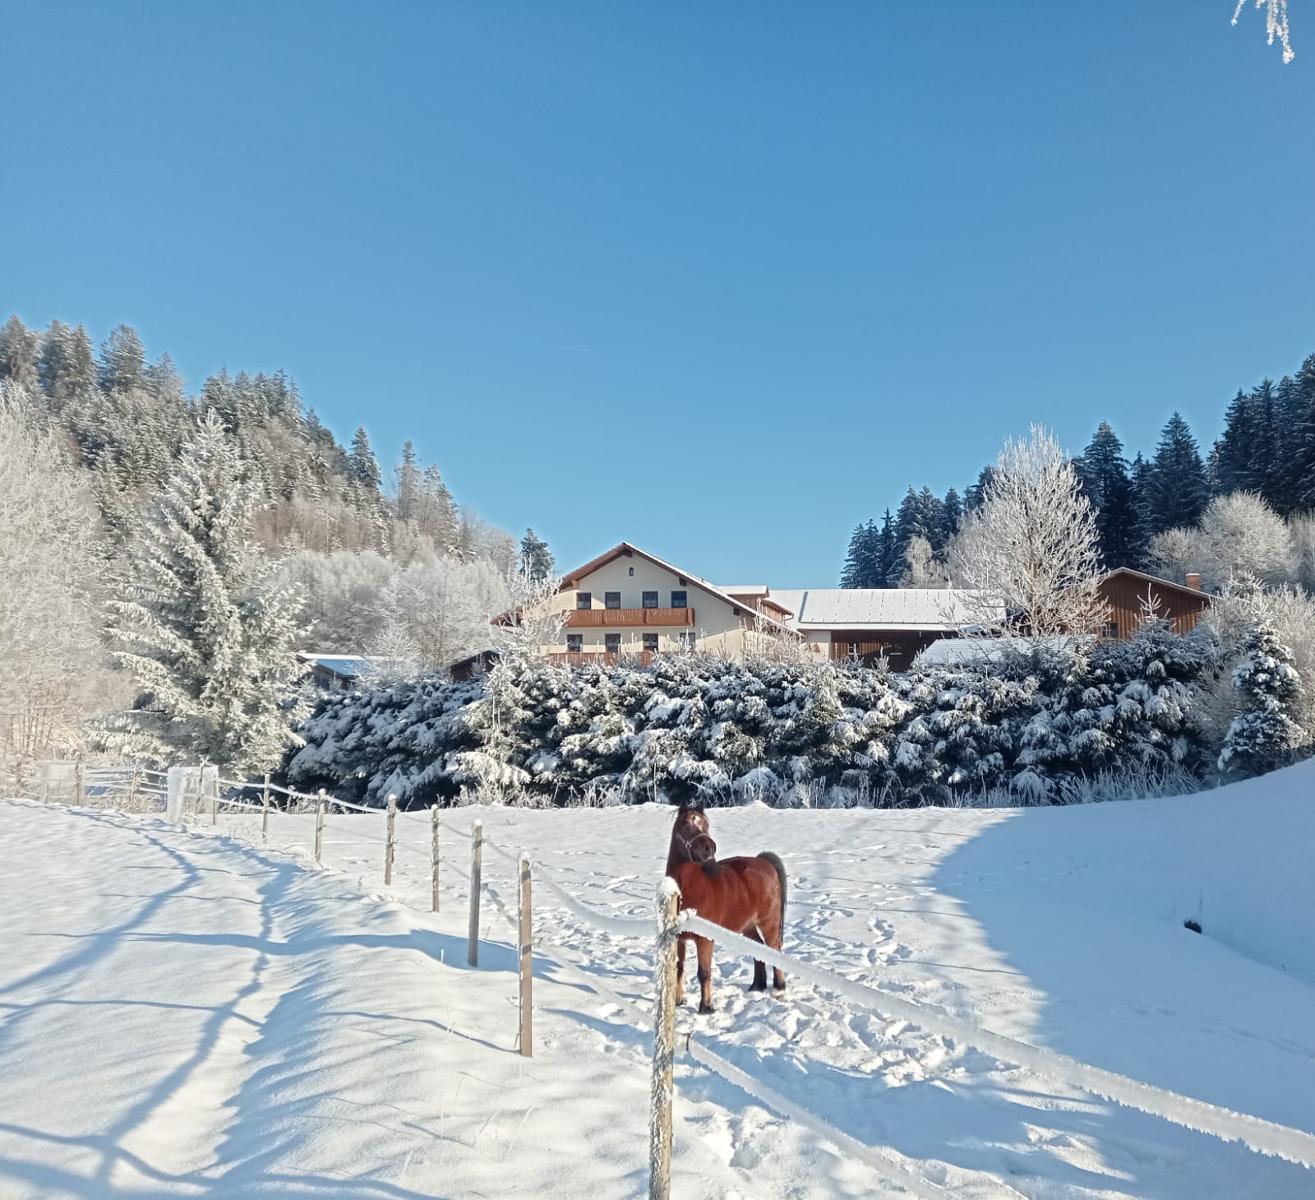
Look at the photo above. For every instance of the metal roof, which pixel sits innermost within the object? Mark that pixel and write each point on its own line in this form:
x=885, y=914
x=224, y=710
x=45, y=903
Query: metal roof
x=877, y=608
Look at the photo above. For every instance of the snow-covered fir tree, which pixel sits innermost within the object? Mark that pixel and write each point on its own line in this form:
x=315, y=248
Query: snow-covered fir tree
x=211, y=649
x=536, y=561
x=1264, y=734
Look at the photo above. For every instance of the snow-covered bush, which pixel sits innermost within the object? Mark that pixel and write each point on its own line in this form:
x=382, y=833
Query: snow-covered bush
x=1031, y=724
x=1263, y=735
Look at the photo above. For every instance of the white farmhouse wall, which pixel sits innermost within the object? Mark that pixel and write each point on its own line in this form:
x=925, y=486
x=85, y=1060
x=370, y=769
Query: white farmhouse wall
x=717, y=624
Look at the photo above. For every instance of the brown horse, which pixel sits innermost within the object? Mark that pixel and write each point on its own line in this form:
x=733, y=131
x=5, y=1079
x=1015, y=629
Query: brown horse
x=744, y=895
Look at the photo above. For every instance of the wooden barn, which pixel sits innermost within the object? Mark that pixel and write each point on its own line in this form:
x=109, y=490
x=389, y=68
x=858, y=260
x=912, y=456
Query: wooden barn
x=1128, y=594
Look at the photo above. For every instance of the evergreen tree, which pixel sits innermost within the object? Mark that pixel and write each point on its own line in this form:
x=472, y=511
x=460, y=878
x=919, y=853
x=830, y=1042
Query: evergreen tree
x=931, y=520
x=122, y=360
x=1105, y=482
x=1175, y=492
x=410, y=484
x=889, y=565
x=18, y=354
x=951, y=517
x=362, y=465
x=1262, y=736
x=210, y=647
x=536, y=560
x=65, y=368
x=972, y=498
x=1301, y=416
x=853, y=573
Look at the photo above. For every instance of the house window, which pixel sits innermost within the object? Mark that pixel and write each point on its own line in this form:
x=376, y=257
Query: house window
x=650, y=599
x=688, y=639
x=1111, y=629
x=651, y=642
x=632, y=571
x=612, y=599
x=584, y=600
x=678, y=600
x=574, y=643
x=613, y=642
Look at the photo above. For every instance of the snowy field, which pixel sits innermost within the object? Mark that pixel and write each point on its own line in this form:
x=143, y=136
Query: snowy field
x=184, y=1014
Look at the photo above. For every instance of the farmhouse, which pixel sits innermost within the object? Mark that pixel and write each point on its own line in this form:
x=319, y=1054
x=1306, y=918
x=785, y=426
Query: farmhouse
x=630, y=603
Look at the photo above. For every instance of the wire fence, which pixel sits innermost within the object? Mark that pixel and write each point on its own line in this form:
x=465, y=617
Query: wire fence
x=203, y=801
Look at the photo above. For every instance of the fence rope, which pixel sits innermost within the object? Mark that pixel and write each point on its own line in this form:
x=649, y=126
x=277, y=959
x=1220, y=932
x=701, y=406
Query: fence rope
x=621, y=926
x=1265, y=1137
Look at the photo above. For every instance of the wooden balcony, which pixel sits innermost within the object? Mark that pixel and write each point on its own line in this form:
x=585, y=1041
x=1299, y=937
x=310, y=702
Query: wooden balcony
x=600, y=658
x=593, y=618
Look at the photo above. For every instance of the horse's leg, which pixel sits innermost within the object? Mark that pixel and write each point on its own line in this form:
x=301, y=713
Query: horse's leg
x=771, y=931
x=703, y=946
x=680, y=969
x=759, y=983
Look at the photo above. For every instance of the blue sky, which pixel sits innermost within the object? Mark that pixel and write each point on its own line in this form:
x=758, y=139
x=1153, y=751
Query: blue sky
x=716, y=278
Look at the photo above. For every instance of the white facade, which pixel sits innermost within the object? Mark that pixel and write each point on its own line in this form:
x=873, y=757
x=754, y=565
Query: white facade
x=629, y=602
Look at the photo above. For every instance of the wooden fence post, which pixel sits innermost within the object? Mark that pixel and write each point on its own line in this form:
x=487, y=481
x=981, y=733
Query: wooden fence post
x=526, y=962
x=79, y=782
x=476, y=854
x=664, y=1045
x=264, y=812
x=319, y=825
x=214, y=798
x=433, y=857
x=132, y=787
x=390, y=840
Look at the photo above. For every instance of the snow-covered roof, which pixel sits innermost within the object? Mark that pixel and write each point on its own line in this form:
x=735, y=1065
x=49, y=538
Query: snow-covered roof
x=347, y=666
x=957, y=651
x=877, y=608
x=743, y=589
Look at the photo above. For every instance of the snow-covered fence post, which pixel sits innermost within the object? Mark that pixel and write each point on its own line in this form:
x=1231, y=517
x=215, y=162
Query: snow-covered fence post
x=79, y=782
x=662, y=1088
x=390, y=840
x=433, y=857
x=264, y=811
x=526, y=956
x=319, y=824
x=132, y=787
x=476, y=854
x=214, y=800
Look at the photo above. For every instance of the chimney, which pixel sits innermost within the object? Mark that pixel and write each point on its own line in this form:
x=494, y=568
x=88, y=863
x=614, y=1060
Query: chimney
x=1194, y=580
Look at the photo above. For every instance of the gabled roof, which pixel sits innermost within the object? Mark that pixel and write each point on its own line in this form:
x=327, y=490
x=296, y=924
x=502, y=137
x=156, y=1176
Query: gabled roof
x=1183, y=588
x=345, y=666
x=878, y=608
x=624, y=549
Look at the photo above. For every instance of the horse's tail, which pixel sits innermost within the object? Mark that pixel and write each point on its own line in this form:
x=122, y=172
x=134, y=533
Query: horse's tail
x=780, y=874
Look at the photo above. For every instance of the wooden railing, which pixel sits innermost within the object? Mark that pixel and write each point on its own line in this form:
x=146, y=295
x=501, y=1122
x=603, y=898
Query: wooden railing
x=593, y=618
x=601, y=658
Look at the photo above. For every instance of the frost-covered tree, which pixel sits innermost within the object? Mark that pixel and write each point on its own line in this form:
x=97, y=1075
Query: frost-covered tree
x=1028, y=555
x=1241, y=535
x=1276, y=23
x=921, y=570
x=18, y=354
x=1264, y=734
x=54, y=669
x=211, y=649
x=362, y=464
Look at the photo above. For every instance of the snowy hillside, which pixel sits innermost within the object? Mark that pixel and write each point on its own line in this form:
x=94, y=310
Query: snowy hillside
x=184, y=1014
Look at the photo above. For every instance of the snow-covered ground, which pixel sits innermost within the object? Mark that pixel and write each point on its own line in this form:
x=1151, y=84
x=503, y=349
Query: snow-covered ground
x=187, y=1015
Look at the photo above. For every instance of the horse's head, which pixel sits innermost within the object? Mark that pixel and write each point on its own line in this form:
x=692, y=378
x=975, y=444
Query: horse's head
x=691, y=825
x=703, y=849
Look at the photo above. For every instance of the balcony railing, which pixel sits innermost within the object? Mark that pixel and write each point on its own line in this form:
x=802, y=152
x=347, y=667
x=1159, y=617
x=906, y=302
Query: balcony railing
x=593, y=618
x=601, y=658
